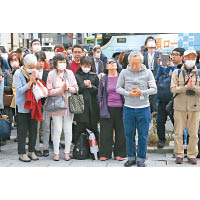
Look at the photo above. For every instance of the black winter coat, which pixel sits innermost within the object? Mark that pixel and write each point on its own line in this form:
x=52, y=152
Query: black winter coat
x=91, y=110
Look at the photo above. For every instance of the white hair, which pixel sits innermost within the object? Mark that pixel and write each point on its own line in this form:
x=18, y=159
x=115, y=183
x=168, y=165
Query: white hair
x=135, y=54
x=30, y=60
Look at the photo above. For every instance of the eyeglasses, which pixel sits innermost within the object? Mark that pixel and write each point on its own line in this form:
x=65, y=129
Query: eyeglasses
x=175, y=54
x=111, y=62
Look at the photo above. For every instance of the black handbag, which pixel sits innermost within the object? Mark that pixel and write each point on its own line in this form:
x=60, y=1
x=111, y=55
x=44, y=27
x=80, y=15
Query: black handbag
x=169, y=106
x=82, y=148
x=76, y=103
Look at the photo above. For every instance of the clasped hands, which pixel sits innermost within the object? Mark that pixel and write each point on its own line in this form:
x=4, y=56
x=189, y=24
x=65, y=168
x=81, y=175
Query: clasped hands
x=135, y=91
x=87, y=83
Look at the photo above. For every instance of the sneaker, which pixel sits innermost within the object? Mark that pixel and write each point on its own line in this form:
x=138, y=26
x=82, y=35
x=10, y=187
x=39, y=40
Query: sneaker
x=129, y=163
x=140, y=164
x=192, y=161
x=24, y=158
x=33, y=156
x=179, y=160
x=161, y=144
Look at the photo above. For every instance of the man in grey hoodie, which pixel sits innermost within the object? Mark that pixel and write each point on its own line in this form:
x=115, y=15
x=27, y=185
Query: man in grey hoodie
x=136, y=83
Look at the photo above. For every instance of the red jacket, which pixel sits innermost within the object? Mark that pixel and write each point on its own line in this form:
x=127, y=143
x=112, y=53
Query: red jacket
x=32, y=104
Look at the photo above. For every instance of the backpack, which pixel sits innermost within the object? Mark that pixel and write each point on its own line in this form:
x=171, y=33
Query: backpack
x=81, y=150
x=163, y=86
x=5, y=130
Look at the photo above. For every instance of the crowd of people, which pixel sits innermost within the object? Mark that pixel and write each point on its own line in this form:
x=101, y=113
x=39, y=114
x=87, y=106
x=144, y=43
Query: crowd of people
x=119, y=97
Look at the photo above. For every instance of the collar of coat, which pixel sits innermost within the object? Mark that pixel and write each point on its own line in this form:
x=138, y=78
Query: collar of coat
x=194, y=71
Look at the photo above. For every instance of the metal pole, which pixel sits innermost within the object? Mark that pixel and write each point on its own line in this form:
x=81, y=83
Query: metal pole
x=11, y=35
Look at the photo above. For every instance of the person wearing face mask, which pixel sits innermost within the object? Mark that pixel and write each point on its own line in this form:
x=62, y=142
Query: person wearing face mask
x=97, y=66
x=46, y=122
x=151, y=57
x=64, y=84
x=24, y=78
x=14, y=63
x=35, y=46
x=68, y=49
x=186, y=87
x=88, y=83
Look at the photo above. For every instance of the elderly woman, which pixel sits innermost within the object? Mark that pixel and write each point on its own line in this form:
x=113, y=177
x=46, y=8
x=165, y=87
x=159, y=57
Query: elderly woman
x=24, y=78
x=111, y=115
x=136, y=83
x=64, y=84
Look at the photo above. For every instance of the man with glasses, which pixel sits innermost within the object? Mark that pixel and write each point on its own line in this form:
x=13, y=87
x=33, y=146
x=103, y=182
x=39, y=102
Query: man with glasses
x=177, y=57
x=136, y=83
x=164, y=95
x=186, y=86
x=77, y=52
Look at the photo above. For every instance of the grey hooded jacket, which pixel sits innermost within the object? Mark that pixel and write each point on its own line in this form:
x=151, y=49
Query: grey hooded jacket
x=144, y=79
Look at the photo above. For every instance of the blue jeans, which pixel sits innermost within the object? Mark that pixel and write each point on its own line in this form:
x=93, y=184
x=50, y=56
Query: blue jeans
x=136, y=118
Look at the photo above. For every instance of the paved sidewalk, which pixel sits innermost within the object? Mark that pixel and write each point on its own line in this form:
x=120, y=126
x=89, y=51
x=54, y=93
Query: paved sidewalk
x=155, y=158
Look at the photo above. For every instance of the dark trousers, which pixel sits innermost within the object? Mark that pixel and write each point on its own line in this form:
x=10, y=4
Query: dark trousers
x=107, y=126
x=153, y=104
x=26, y=124
x=162, y=118
x=81, y=128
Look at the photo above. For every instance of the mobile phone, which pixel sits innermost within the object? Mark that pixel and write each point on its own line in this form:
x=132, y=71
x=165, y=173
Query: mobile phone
x=164, y=59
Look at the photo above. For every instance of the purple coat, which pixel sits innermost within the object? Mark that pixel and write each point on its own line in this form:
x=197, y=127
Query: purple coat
x=103, y=97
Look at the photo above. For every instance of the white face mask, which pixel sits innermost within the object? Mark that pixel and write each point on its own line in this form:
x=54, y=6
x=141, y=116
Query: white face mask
x=98, y=55
x=30, y=71
x=151, y=43
x=61, y=66
x=36, y=48
x=69, y=52
x=14, y=64
x=85, y=70
x=190, y=63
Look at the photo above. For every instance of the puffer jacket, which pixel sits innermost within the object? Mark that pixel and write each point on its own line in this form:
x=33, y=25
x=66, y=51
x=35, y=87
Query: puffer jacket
x=183, y=102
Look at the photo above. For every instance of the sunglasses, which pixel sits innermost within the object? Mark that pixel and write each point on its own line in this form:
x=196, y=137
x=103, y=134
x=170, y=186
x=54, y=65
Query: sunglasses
x=111, y=62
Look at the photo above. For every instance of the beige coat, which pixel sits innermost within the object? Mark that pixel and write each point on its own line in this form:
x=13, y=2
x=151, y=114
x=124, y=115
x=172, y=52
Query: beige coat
x=12, y=105
x=184, y=102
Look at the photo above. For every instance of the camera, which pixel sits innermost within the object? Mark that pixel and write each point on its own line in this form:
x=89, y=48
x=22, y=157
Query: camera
x=190, y=92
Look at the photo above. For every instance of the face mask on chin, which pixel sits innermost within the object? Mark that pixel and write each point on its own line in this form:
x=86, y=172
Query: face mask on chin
x=190, y=63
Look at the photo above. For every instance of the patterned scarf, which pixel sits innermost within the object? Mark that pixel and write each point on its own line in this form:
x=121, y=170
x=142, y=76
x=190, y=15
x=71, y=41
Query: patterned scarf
x=25, y=73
